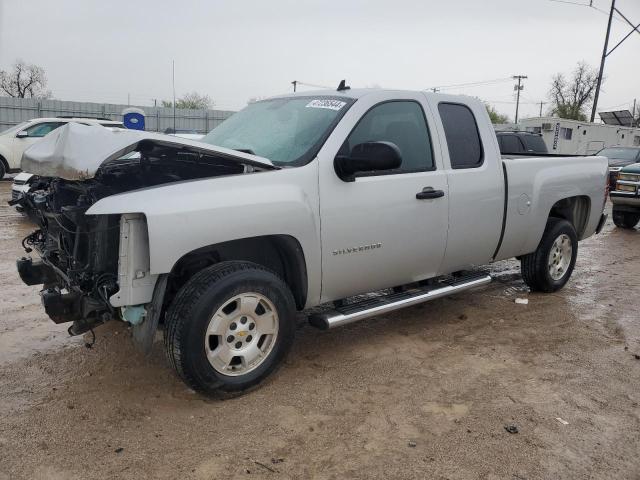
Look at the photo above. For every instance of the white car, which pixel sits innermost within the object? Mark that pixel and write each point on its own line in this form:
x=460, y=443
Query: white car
x=15, y=140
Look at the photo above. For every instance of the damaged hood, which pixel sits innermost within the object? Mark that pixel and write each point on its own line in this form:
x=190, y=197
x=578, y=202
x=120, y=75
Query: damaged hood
x=76, y=152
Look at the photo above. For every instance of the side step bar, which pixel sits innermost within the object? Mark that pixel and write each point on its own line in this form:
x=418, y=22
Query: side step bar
x=370, y=307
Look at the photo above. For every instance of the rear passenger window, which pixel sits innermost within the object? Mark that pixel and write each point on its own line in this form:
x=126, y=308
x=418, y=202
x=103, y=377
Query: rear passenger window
x=463, y=139
x=535, y=144
x=401, y=123
x=511, y=144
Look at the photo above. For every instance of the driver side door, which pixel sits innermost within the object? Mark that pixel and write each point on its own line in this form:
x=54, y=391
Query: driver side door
x=376, y=233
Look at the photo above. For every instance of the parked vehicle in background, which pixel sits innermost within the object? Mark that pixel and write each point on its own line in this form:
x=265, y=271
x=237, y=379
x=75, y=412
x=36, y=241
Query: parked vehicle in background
x=20, y=186
x=516, y=142
x=619, y=157
x=184, y=133
x=221, y=239
x=625, y=197
x=15, y=140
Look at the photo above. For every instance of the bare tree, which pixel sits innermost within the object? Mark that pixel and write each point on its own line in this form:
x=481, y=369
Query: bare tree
x=191, y=100
x=569, y=98
x=24, y=81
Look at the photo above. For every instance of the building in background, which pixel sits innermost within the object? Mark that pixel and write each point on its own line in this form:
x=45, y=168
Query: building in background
x=572, y=137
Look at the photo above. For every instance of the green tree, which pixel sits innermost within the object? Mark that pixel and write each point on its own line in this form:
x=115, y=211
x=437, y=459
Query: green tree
x=191, y=100
x=570, y=98
x=495, y=116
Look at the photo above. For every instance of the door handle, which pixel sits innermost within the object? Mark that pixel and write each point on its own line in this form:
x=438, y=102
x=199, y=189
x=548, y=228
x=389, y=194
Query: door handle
x=429, y=192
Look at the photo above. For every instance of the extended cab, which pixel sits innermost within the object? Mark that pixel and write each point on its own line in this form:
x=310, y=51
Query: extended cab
x=295, y=202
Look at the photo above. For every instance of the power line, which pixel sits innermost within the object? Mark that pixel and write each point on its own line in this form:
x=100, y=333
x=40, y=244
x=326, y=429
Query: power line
x=589, y=5
x=298, y=82
x=470, y=84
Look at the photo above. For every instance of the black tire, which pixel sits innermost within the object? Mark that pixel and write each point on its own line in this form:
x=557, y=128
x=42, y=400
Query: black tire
x=189, y=315
x=624, y=219
x=3, y=169
x=535, y=266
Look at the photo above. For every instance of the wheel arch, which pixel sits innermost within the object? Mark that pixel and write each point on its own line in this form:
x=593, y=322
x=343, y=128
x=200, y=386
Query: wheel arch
x=283, y=254
x=576, y=210
x=5, y=163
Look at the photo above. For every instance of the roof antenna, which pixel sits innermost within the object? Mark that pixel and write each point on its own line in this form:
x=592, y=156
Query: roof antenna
x=343, y=86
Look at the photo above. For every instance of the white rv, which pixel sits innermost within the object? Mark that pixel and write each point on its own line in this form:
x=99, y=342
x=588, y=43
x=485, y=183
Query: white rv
x=571, y=137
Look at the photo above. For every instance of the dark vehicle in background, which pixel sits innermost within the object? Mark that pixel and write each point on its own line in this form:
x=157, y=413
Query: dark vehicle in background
x=625, y=196
x=521, y=142
x=619, y=157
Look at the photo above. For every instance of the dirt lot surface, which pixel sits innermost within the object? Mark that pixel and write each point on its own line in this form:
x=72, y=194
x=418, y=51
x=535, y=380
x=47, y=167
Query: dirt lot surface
x=421, y=393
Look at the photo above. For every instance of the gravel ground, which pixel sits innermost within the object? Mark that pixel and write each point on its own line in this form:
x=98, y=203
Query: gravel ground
x=425, y=392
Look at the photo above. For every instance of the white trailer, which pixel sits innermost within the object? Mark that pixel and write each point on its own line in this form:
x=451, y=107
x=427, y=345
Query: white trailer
x=572, y=137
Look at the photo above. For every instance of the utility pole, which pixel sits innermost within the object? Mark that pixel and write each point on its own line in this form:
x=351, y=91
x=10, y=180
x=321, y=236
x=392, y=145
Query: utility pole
x=604, y=57
x=295, y=84
x=173, y=77
x=541, y=104
x=635, y=120
x=517, y=88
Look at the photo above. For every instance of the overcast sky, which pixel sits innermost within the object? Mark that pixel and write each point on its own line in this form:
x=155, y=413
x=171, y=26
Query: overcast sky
x=233, y=50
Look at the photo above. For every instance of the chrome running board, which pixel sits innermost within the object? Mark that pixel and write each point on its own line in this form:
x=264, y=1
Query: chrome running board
x=370, y=307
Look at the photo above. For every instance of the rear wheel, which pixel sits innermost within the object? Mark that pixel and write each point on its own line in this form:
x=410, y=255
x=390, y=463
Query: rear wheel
x=549, y=268
x=624, y=219
x=3, y=169
x=229, y=327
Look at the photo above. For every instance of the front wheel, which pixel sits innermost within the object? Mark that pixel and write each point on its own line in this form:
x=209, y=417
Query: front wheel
x=624, y=219
x=549, y=268
x=229, y=327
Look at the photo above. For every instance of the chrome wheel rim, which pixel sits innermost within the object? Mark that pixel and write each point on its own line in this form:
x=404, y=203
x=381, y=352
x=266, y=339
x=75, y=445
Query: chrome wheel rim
x=560, y=257
x=241, y=334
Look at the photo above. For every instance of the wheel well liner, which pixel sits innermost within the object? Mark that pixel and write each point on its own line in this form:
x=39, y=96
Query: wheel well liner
x=575, y=210
x=282, y=254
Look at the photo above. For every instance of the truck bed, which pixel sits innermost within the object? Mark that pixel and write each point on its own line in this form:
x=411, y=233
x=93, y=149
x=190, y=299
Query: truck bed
x=535, y=184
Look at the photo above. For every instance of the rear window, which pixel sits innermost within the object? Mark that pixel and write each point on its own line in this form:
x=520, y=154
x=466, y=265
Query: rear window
x=461, y=132
x=535, y=144
x=510, y=144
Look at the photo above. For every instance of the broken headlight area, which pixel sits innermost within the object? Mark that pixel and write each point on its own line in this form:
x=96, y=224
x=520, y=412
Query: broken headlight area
x=78, y=262
x=79, y=253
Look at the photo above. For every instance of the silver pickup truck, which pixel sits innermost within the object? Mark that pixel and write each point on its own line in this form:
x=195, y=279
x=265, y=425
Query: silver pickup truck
x=300, y=201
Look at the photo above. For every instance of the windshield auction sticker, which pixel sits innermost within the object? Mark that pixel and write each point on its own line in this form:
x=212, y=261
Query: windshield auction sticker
x=330, y=104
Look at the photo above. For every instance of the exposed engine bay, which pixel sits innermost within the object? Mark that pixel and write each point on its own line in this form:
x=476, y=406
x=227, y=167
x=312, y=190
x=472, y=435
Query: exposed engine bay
x=78, y=265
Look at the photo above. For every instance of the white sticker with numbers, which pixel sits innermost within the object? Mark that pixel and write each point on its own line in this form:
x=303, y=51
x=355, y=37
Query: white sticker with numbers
x=330, y=104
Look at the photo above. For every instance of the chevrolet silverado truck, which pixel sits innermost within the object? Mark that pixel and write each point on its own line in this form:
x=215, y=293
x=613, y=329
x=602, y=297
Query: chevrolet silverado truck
x=625, y=196
x=355, y=202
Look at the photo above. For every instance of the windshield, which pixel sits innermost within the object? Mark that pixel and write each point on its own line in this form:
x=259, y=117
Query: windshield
x=15, y=128
x=287, y=131
x=620, y=153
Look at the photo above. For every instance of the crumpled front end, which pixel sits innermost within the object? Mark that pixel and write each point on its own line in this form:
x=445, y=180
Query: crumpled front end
x=94, y=268
x=78, y=262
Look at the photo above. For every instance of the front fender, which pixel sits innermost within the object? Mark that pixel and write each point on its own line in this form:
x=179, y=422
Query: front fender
x=182, y=217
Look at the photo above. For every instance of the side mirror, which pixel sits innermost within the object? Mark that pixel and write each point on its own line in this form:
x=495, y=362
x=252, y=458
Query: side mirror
x=22, y=134
x=368, y=157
